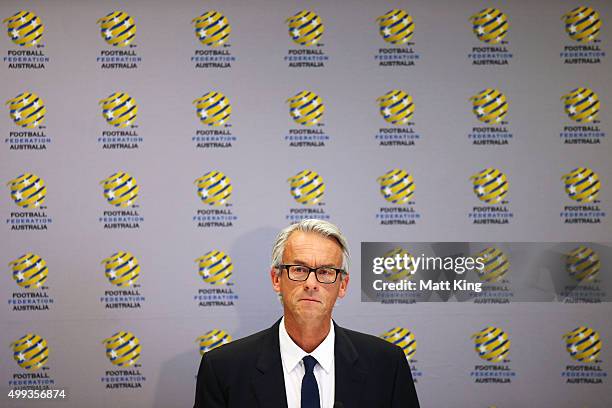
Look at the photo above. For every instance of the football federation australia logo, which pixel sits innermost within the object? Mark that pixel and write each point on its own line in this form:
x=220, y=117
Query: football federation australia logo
x=490, y=25
x=396, y=107
x=305, y=28
x=491, y=344
x=119, y=109
x=581, y=105
x=496, y=265
x=396, y=26
x=582, y=24
x=583, y=264
x=120, y=189
x=403, y=338
x=28, y=190
x=582, y=184
x=214, y=188
x=489, y=106
x=29, y=271
x=25, y=28
x=583, y=344
x=27, y=110
x=117, y=29
x=121, y=269
x=306, y=108
x=397, y=186
x=307, y=187
x=213, y=108
x=122, y=349
x=490, y=185
x=215, y=267
x=213, y=339
x=397, y=272
x=212, y=28
x=30, y=351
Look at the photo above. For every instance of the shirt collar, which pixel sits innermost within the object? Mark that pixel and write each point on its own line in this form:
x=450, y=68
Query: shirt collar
x=292, y=354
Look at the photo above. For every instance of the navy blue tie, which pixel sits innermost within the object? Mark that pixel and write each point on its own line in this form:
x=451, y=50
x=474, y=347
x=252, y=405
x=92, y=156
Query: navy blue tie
x=310, y=389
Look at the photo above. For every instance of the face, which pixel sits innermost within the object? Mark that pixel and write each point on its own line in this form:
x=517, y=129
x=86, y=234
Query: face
x=309, y=300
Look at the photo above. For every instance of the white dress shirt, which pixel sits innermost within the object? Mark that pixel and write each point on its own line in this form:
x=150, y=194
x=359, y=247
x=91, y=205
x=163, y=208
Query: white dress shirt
x=293, y=367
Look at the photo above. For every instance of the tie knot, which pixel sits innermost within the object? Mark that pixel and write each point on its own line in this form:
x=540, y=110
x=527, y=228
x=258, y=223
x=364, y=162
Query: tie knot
x=309, y=363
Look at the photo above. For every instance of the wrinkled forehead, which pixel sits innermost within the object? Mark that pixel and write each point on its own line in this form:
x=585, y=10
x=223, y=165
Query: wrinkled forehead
x=313, y=248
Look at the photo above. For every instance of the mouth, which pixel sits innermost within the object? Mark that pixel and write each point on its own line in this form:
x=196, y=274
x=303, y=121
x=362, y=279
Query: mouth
x=309, y=300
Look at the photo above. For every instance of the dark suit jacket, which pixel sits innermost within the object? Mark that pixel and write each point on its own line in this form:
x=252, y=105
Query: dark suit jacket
x=248, y=373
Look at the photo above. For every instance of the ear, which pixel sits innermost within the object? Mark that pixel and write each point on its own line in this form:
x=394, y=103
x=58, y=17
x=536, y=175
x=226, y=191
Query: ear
x=343, y=285
x=276, y=278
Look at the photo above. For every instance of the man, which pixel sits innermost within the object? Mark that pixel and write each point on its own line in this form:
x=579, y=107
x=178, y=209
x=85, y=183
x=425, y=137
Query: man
x=306, y=360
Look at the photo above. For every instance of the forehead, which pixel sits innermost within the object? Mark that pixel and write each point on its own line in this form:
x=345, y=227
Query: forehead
x=312, y=247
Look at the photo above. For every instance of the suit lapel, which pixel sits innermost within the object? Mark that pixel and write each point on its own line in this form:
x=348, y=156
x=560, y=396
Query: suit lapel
x=350, y=372
x=268, y=380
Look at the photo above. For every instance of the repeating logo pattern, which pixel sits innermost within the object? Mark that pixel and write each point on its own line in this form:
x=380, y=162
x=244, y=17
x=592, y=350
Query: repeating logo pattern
x=122, y=349
x=396, y=107
x=396, y=26
x=582, y=24
x=213, y=339
x=490, y=25
x=583, y=264
x=27, y=110
x=215, y=267
x=28, y=190
x=117, y=28
x=583, y=344
x=489, y=106
x=213, y=108
x=490, y=185
x=214, y=188
x=29, y=271
x=306, y=108
x=122, y=268
x=581, y=105
x=25, y=28
x=491, y=344
x=397, y=186
x=212, y=28
x=403, y=338
x=119, y=109
x=307, y=187
x=30, y=351
x=120, y=189
x=397, y=273
x=582, y=184
x=496, y=265
x=305, y=28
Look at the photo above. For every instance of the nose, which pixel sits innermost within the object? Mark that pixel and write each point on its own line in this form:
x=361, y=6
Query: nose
x=311, y=282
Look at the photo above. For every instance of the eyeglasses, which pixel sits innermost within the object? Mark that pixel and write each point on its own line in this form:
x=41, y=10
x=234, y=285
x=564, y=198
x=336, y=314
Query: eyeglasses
x=300, y=273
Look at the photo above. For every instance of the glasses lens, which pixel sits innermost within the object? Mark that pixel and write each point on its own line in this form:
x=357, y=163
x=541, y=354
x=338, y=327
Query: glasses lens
x=326, y=275
x=298, y=273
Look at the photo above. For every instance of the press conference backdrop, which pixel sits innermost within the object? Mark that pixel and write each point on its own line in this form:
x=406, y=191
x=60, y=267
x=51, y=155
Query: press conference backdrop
x=152, y=150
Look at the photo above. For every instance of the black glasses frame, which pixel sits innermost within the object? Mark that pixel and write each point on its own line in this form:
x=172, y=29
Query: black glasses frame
x=310, y=270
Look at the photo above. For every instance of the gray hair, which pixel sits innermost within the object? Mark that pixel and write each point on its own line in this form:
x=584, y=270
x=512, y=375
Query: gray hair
x=323, y=228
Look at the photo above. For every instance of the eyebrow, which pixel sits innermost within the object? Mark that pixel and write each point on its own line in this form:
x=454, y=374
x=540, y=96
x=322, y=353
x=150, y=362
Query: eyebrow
x=299, y=261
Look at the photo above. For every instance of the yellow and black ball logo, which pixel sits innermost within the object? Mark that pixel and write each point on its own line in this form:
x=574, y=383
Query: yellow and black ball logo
x=396, y=26
x=117, y=29
x=30, y=351
x=214, y=188
x=121, y=269
x=305, y=28
x=396, y=107
x=306, y=108
x=27, y=110
x=490, y=185
x=583, y=344
x=489, y=106
x=123, y=349
x=213, y=108
x=120, y=189
x=28, y=190
x=397, y=186
x=212, y=28
x=403, y=338
x=29, y=271
x=119, y=109
x=492, y=344
x=490, y=25
x=215, y=267
x=213, y=339
x=25, y=28
x=496, y=265
x=583, y=264
x=581, y=105
x=307, y=187
x=582, y=24
x=582, y=184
